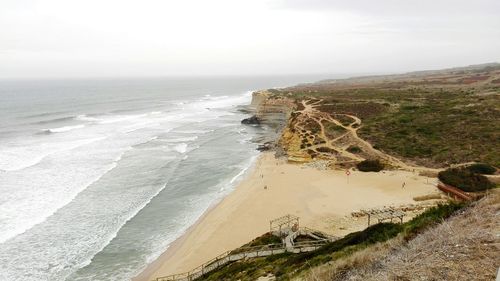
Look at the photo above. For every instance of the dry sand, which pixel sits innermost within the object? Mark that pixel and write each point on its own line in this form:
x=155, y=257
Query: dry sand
x=322, y=199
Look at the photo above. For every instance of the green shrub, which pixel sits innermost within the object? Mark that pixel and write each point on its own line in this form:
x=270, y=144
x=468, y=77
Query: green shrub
x=325, y=149
x=370, y=166
x=267, y=238
x=481, y=168
x=430, y=217
x=354, y=149
x=465, y=179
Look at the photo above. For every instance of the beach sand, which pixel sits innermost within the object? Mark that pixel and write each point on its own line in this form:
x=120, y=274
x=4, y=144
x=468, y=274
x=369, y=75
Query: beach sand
x=323, y=200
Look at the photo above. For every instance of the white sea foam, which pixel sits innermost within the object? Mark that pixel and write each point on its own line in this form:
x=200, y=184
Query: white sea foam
x=139, y=126
x=113, y=234
x=64, y=129
x=84, y=117
x=119, y=118
x=181, y=148
x=179, y=139
x=14, y=158
x=47, y=173
x=27, y=207
x=244, y=170
x=24, y=156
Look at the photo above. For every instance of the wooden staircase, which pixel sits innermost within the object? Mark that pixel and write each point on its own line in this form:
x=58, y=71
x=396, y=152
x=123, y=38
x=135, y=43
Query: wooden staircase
x=255, y=252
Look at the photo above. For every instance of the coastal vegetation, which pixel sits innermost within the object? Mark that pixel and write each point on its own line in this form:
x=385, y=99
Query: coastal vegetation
x=466, y=179
x=482, y=168
x=265, y=239
x=354, y=149
x=370, y=166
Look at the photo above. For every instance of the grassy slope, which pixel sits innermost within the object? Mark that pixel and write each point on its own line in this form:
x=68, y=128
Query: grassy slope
x=441, y=127
x=464, y=247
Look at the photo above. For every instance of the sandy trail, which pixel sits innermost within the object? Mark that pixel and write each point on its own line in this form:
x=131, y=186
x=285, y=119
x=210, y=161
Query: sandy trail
x=311, y=112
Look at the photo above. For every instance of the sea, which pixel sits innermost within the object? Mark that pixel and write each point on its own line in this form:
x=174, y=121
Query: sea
x=99, y=176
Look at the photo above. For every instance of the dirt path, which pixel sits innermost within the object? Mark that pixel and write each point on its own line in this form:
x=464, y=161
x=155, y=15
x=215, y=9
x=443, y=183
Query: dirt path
x=344, y=145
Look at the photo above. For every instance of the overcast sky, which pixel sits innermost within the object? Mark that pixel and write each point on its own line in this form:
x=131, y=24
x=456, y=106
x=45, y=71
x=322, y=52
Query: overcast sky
x=92, y=38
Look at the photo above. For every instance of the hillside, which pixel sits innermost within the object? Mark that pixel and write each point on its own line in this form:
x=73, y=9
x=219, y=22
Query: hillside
x=431, y=119
x=448, y=242
x=464, y=247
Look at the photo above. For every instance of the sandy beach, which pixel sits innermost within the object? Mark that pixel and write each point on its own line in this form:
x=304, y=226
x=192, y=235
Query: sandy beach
x=322, y=199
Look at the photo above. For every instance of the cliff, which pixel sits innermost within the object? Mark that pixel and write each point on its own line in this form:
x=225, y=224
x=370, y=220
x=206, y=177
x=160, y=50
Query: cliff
x=273, y=113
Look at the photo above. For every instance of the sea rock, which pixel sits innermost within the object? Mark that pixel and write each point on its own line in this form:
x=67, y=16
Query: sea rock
x=254, y=120
x=265, y=146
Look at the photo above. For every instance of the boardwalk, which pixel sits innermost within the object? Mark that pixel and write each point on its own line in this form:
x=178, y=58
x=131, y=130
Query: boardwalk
x=258, y=251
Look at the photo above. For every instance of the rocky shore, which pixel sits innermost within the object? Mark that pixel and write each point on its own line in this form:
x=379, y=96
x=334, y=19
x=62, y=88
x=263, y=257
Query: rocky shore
x=272, y=115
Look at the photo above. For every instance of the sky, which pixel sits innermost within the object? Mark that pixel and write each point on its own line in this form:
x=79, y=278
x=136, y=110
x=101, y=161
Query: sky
x=123, y=38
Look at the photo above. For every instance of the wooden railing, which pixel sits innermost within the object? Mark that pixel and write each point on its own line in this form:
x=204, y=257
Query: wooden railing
x=317, y=234
x=249, y=252
x=454, y=192
x=223, y=259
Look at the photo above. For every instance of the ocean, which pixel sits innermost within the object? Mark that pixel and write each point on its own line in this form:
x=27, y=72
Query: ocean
x=99, y=176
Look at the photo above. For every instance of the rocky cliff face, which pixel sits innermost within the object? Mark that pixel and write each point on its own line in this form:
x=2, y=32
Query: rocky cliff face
x=276, y=111
x=273, y=112
x=290, y=141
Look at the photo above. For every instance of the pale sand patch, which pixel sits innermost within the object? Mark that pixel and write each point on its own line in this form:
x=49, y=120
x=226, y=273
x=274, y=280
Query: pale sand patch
x=322, y=199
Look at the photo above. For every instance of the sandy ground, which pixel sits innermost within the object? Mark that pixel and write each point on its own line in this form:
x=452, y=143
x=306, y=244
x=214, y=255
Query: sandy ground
x=322, y=199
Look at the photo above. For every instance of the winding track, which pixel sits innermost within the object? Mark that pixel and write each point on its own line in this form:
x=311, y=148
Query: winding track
x=310, y=112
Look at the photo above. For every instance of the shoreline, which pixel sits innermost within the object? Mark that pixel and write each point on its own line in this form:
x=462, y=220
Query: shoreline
x=322, y=199
x=152, y=267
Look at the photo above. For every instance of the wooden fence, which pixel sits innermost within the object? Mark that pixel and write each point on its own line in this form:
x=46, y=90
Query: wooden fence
x=252, y=252
x=454, y=192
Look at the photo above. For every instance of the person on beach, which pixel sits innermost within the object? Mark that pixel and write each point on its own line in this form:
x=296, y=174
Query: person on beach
x=403, y=186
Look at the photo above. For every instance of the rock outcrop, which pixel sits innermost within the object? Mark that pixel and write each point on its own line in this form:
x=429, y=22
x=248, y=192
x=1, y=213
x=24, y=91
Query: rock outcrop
x=254, y=120
x=272, y=112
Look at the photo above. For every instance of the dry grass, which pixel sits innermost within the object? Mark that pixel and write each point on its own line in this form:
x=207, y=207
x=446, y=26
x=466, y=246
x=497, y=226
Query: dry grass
x=465, y=247
x=338, y=269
